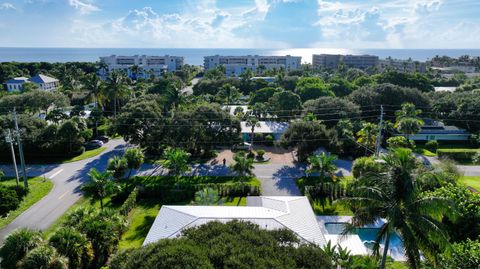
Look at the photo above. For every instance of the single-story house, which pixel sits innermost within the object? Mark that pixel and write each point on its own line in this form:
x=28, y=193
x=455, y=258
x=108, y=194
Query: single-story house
x=269, y=212
x=436, y=130
x=276, y=129
x=41, y=81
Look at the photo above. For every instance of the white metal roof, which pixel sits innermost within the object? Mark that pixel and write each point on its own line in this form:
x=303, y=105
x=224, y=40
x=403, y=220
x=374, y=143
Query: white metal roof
x=17, y=80
x=265, y=127
x=42, y=79
x=269, y=212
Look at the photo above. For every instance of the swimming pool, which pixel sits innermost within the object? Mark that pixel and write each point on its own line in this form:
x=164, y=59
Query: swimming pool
x=367, y=236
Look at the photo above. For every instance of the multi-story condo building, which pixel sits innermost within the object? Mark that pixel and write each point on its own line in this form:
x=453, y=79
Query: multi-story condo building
x=40, y=81
x=146, y=65
x=353, y=61
x=236, y=65
x=403, y=65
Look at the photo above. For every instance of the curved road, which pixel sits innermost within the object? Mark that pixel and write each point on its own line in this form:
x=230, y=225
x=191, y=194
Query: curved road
x=67, y=179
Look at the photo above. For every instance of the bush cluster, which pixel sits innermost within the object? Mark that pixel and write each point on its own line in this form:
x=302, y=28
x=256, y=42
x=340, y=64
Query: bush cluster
x=459, y=155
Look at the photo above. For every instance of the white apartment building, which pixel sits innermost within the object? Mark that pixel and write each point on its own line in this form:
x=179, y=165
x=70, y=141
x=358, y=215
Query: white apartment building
x=403, y=65
x=147, y=65
x=42, y=82
x=332, y=61
x=236, y=65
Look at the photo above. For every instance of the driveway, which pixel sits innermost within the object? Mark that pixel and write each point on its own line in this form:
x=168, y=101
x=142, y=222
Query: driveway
x=67, y=179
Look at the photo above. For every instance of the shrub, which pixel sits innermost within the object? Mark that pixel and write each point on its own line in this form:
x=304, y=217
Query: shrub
x=459, y=155
x=476, y=158
x=364, y=165
x=269, y=140
x=20, y=190
x=8, y=200
x=260, y=154
x=463, y=255
x=130, y=203
x=251, y=154
x=432, y=146
x=400, y=142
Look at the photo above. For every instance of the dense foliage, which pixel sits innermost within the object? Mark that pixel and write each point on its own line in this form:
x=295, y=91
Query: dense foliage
x=231, y=245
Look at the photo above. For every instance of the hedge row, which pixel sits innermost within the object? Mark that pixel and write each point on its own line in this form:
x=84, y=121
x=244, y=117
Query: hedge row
x=187, y=193
x=459, y=155
x=129, y=203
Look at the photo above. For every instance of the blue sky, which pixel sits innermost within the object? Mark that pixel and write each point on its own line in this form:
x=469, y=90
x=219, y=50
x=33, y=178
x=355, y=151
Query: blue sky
x=241, y=23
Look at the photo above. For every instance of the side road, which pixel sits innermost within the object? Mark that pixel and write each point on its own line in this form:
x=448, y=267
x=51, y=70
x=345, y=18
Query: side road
x=67, y=179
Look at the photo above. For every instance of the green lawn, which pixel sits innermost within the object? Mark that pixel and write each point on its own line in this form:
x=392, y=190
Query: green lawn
x=143, y=215
x=87, y=154
x=425, y=152
x=331, y=209
x=471, y=181
x=141, y=219
x=39, y=187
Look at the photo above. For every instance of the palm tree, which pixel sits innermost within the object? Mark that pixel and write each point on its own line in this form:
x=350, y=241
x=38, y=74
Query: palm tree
x=17, y=245
x=134, y=158
x=95, y=88
x=243, y=166
x=176, y=161
x=100, y=185
x=135, y=69
x=72, y=244
x=252, y=122
x=324, y=165
x=175, y=96
x=207, y=196
x=43, y=256
x=368, y=135
x=408, y=121
x=395, y=196
x=116, y=88
x=118, y=165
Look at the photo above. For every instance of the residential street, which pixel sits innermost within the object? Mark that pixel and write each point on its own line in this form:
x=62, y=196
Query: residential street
x=276, y=179
x=67, y=179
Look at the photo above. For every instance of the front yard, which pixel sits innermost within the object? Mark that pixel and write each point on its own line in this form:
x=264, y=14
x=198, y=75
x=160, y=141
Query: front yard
x=39, y=187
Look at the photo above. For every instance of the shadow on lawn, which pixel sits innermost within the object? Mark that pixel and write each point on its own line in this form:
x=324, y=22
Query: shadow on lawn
x=141, y=230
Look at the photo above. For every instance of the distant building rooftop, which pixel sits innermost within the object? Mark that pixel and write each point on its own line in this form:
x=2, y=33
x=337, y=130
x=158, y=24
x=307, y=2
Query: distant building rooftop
x=17, y=80
x=266, y=127
x=42, y=79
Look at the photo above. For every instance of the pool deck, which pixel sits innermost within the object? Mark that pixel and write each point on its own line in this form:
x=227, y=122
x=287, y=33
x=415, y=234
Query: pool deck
x=353, y=242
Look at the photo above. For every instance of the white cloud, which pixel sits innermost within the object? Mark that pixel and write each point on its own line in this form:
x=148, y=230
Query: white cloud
x=7, y=6
x=202, y=25
x=83, y=7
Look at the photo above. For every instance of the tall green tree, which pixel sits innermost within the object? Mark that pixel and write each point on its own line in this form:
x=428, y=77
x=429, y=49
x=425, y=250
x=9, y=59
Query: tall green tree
x=100, y=185
x=134, y=158
x=175, y=161
x=94, y=86
x=252, y=122
x=408, y=120
x=394, y=196
x=323, y=165
x=243, y=166
x=116, y=88
x=367, y=136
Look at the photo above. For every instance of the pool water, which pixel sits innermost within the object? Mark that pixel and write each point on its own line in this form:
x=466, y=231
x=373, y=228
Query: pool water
x=367, y=235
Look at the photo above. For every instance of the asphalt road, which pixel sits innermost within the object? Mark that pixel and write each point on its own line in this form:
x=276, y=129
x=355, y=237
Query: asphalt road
x=67, y=179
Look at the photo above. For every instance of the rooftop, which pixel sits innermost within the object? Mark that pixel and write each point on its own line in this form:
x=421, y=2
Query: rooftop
x=266, y=127
x=42, y=79
x=269, y=212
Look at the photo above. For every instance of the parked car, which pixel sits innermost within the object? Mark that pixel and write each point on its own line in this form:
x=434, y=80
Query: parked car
x=102, y=138
x=93, y=144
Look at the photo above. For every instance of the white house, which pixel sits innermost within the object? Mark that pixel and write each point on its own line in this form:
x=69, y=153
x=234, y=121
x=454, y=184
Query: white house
x=269, y=212
x=436, y=130
x=276, y=129
x=236, y=65
x=147, y=65
x=41, y=81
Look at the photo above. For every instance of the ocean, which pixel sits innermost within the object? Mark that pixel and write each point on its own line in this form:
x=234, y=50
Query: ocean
x=195, y=56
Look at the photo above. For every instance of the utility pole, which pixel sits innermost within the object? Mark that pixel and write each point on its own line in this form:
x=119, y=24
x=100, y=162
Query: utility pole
x=9, y=140
x=20, y=150
x=379, y=137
